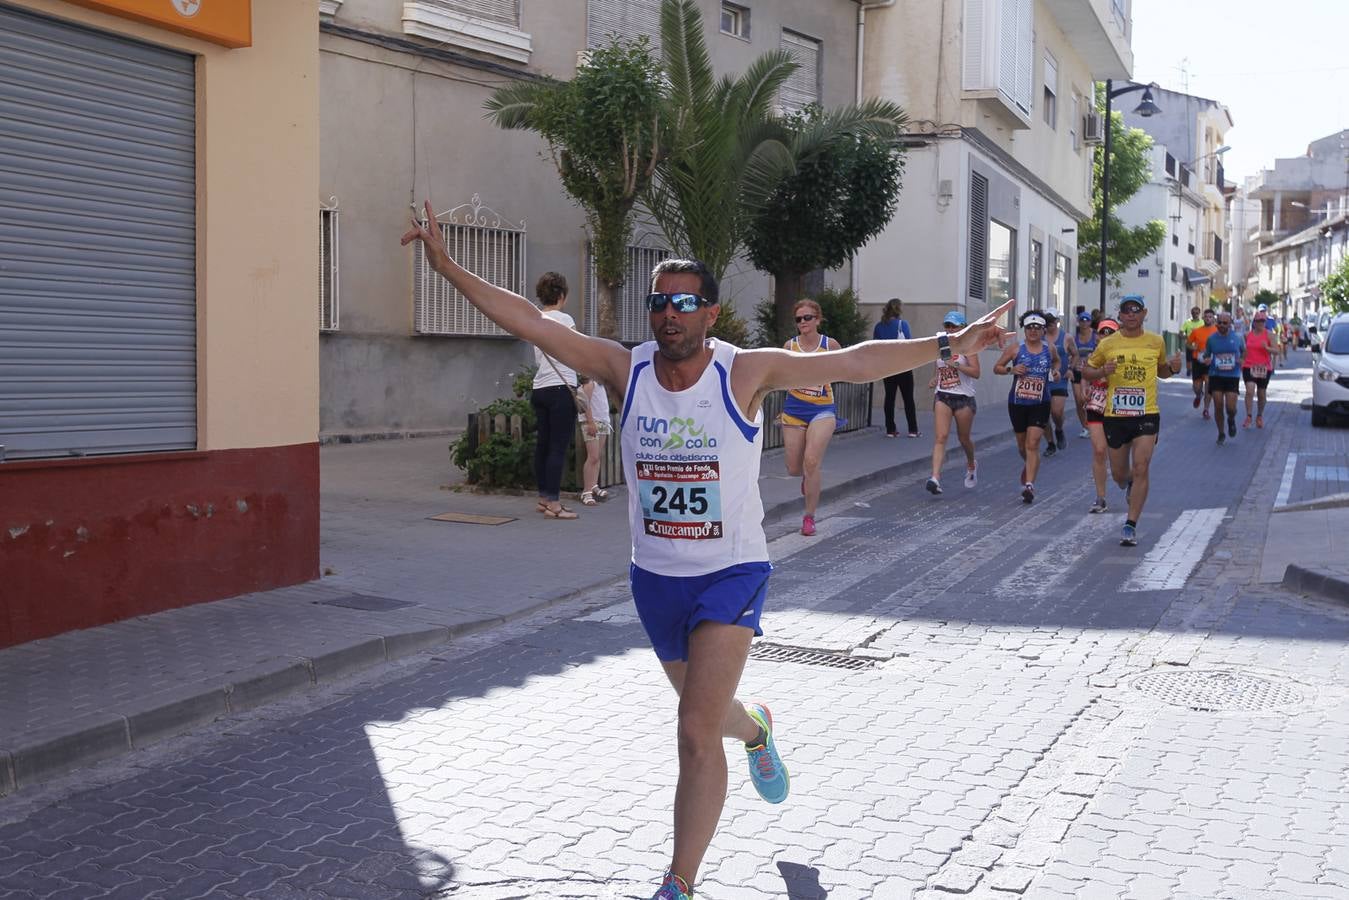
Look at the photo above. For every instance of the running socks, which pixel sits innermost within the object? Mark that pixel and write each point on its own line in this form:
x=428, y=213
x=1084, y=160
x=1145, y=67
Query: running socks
x=1131, y=523
x=760, y=740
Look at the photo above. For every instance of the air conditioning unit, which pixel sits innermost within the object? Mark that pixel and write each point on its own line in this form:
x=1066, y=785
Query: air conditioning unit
x=1092, y=131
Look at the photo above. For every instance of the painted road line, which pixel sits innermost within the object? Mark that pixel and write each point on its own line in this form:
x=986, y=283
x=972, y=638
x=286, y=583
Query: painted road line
x=1168, y=565
x=1046, y=570
x=1286, y=486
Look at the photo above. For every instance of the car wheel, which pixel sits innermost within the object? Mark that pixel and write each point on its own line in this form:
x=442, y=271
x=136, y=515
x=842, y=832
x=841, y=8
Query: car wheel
x=1319, y=417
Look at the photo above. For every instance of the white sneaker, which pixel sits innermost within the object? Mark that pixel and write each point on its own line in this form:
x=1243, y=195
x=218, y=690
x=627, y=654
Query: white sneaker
x=972, y=476
x=1084, y=433
x=933, y=486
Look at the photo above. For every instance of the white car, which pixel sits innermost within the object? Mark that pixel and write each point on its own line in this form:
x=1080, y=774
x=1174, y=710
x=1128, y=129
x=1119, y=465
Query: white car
x=1330, y=372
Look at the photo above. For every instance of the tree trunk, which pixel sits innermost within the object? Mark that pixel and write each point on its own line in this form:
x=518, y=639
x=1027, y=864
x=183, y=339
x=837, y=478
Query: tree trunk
x=610, y=294
x=787, y=289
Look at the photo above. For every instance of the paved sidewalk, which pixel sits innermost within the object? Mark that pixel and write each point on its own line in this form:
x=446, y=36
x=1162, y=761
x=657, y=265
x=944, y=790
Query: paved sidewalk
x=395, y=583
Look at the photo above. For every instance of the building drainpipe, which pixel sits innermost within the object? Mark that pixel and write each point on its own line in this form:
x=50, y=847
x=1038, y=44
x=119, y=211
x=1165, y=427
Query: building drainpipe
x=862, y=8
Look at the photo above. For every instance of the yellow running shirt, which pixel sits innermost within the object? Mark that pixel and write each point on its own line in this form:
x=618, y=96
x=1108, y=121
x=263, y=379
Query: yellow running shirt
x=1132, y=389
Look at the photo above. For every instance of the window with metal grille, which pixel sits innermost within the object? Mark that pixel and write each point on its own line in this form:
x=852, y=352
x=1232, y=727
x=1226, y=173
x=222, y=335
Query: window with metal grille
x=626, y=20
x=978, y=242
x=328, y=290
x=633, y=325
x=489, y=246
x=802, y=87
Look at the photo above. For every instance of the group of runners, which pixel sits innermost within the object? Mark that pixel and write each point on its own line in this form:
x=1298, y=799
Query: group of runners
x=1219, y=367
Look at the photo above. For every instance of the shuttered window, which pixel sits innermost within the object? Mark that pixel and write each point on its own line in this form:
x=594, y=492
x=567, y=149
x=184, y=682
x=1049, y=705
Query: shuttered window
x=802, y=87
x=998, y=50
x=506, y=12
x=625, y=19
x=978, y=242
x=633, y=324
x=97, y=242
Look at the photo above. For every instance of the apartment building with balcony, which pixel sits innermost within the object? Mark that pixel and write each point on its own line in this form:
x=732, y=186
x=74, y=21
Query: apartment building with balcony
x=1294, y=267
x=998, y=172
x=402, y=87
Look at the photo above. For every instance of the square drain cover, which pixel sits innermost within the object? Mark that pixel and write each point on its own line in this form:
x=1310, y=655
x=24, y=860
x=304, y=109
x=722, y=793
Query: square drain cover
x=471, y=519
x=363, y=601
x=774, y=653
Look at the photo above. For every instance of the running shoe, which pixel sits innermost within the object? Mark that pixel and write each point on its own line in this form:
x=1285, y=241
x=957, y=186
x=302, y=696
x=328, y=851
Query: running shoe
x=1222, y=439
x=1206, y=415
x=1098, y=506
x=1231, y=427
x=1128, y=537
x=1058, y=436
x=1247, y=423
x=892, y=434
x=808, y=525
x=914, y=434
x=1084, y=433
x=1028, y=493
x=1196, y=401
x=673, y=888
x=1051, y=449
x=933, y=486
x=972, y=476
x=765, y=766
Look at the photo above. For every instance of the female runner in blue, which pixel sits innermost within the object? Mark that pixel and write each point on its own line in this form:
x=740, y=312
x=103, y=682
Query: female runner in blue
x=808, y=416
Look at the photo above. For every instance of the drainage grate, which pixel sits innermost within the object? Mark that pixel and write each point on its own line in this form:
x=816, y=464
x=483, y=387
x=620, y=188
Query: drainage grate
x=1216, y=690
x=366, y=602
x=775, y=653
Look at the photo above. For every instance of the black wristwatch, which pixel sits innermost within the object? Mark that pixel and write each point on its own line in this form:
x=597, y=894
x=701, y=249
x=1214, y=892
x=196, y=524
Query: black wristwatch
x=944, y=347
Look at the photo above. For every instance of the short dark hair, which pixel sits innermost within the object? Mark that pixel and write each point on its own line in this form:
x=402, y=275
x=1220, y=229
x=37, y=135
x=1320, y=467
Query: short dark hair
x=708, y=289
x=551, y=288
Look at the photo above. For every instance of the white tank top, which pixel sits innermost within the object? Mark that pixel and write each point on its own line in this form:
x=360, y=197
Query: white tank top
x=951, y=380
x=692, y=467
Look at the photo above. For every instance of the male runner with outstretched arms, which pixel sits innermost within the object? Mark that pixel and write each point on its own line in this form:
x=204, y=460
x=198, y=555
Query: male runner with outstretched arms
x=691, y=439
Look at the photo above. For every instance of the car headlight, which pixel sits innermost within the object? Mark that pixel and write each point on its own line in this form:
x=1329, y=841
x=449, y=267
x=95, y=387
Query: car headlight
x=1327, y=374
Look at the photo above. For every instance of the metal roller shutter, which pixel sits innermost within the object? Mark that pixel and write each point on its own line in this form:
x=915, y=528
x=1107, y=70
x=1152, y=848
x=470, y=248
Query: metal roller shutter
x=97, y=242
x=625, y=19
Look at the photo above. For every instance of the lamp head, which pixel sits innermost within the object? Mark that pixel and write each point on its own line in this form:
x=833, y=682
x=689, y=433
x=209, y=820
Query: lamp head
x=1147, y=107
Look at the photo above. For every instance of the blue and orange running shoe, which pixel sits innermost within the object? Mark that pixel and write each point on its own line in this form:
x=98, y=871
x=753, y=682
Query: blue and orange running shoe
x=765, y=766
x=673, y=888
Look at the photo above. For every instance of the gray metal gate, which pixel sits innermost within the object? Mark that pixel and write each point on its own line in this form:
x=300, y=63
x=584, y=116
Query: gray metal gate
x=97, y=242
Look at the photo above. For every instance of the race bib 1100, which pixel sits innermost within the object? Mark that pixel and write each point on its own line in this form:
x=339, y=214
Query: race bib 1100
x=1129, y=401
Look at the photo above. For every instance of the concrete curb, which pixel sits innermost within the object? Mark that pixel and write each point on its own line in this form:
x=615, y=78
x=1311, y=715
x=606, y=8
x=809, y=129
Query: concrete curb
x=1330, y=501
x=1307, y=581
x=36, y=758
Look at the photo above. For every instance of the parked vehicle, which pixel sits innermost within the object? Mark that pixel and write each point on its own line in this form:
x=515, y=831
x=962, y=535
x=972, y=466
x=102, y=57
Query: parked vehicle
x=1330, y=372
x=1317, y=323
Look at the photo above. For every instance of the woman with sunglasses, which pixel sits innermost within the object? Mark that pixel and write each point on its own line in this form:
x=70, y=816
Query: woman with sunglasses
x=1093, y=409
x=808, y=415
x=953, y=382
x=1031, y=364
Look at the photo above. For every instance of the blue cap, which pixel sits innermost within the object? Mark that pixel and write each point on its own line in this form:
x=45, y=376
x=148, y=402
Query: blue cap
x=1084, y=317
x=1133, y=298
x=954, y=317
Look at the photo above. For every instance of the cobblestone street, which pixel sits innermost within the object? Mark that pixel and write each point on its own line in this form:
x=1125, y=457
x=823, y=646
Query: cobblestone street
x=1022, y=715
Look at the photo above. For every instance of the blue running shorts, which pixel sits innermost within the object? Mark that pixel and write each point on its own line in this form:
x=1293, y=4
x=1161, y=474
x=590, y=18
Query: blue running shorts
x=670, y=607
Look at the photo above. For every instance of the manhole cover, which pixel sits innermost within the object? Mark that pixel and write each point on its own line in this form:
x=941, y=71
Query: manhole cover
x=774, y=653
x=365, y=602
x=1215, y=690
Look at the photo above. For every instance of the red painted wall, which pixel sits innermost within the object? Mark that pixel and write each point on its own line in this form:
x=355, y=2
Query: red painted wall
x=91, y=541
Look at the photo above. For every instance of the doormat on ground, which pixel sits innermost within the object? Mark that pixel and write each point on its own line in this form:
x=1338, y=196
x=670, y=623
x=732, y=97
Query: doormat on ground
x=471, y=519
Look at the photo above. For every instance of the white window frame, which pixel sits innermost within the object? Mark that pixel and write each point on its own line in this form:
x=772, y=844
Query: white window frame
x=739, y=16
x=998, y=53
x=485, y=243
x=633, y=325
x=469, y=25
x=1074, y=123
x=330, y=294
x=803, y=87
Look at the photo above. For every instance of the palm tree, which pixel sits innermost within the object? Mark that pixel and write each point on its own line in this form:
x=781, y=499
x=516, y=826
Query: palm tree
x=605, y=131
x=729, y=148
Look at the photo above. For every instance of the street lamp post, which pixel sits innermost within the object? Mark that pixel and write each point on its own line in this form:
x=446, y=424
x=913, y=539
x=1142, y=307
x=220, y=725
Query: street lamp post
x=1146, y=108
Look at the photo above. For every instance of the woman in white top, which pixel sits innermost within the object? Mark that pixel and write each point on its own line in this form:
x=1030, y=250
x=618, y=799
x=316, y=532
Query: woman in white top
x=954, y=385
x=554, y=405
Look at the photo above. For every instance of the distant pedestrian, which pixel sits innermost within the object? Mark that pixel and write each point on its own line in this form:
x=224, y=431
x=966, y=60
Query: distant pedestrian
x=595, y=430
x=893, y=327
x=553, y=403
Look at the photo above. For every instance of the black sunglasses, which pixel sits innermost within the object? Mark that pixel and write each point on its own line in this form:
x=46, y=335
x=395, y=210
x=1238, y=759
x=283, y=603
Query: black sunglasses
x=685, y=303
x=806, y=318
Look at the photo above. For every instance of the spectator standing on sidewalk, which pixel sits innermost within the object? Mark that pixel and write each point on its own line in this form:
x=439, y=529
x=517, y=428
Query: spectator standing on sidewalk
x=892, y=327
x=595, y=430
x=554, y=404
x=692, y=439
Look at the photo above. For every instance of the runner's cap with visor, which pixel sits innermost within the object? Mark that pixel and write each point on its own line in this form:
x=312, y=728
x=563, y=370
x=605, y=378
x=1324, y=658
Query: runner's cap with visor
x=1132, y=298
x=1033, y=320
x=1107, y=323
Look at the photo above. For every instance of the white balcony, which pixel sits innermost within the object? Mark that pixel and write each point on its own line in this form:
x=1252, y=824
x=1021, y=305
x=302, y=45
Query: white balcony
x=1100, y=31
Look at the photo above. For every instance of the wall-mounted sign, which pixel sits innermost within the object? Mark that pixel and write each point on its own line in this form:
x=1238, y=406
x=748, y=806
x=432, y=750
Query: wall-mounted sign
x=1142, y=273
x=226, y=22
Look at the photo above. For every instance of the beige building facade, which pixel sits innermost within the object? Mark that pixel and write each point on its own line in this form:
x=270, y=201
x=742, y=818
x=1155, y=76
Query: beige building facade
x=403, y=86
x=998, y=171
x=159, y=407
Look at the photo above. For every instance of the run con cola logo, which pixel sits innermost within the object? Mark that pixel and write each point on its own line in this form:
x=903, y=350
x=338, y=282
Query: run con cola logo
x=675, y=433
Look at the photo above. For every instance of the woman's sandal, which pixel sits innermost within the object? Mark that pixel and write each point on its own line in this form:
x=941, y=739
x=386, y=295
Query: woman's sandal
x=560, y=513
x=588, y=498
x=599, y=493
